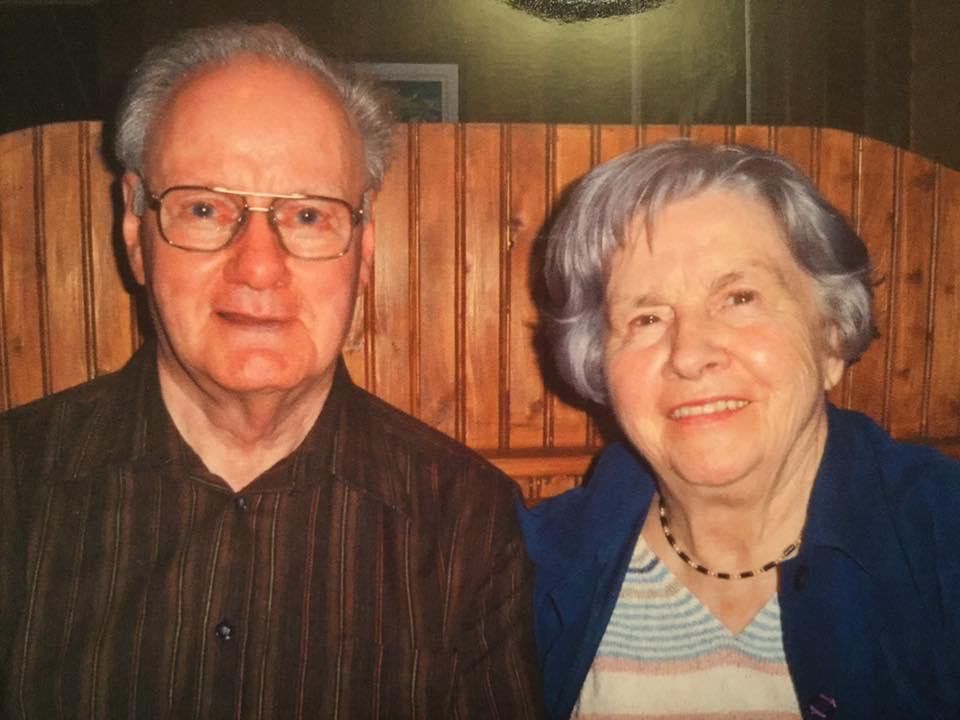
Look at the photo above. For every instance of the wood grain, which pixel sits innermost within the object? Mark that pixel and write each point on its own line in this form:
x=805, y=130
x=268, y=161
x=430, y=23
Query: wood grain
x=447, y=328
x=526, y=176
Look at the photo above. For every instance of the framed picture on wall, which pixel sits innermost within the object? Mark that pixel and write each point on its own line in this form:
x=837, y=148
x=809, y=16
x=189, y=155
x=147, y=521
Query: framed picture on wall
x=425, y=92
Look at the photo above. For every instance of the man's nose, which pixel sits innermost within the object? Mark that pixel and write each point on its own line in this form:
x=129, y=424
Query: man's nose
x=697, y=344
x=259, y=259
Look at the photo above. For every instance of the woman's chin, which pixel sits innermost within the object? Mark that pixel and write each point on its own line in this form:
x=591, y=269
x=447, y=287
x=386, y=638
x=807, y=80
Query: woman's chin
x=708, y=470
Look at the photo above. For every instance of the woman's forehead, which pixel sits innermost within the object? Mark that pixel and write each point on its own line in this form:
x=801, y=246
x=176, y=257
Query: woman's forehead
x=715, y=234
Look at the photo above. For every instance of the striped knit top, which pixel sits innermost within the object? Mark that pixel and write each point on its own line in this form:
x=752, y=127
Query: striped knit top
x=665, y=656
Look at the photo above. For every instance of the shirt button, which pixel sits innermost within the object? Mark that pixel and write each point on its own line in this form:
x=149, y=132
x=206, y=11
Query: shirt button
x=800, y=577
x=242, y=503
x=224, y=630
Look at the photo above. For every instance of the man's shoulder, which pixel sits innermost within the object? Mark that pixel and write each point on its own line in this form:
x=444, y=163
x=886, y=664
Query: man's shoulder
x=82, y=426
x=431, y=479
x=72, y=401
x=407, y=433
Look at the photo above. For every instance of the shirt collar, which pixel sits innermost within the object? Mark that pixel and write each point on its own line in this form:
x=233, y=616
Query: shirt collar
x=157, y=442
x=847, y=511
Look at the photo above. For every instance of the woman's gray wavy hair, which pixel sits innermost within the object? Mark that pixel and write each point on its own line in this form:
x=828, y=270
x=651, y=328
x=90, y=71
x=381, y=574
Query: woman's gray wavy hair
x=165, y=67
x=597, y=217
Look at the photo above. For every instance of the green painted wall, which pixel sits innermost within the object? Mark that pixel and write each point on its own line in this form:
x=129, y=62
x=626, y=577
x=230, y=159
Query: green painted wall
x=885, y=67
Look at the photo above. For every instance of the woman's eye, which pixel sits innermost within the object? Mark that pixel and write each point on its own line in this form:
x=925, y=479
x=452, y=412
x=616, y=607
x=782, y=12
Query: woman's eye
x=646, y=320
x=742, y=297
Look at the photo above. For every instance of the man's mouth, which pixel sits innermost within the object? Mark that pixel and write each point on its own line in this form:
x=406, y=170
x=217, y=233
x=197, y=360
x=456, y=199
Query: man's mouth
x=253, y=321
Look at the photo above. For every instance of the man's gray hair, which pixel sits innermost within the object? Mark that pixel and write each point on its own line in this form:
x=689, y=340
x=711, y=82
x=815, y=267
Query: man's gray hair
x=597, y=217
x=164, y=68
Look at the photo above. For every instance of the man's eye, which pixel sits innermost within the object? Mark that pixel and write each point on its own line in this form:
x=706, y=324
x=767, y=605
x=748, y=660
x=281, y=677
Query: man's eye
x=308, y=216
x=202, y=211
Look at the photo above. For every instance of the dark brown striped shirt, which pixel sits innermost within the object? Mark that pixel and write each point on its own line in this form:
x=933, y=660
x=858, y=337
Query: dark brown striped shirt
x=376, y=572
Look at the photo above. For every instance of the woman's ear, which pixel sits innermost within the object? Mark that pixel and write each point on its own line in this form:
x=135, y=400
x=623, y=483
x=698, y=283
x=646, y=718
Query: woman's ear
x=832, y=362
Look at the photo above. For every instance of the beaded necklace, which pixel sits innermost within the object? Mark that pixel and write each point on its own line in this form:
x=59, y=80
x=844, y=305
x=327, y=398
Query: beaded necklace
x=787, y=552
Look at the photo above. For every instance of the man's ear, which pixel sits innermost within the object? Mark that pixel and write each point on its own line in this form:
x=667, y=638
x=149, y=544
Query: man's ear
x=354, y=340
x=368, y=237
x=832, y=359
x=133, y=206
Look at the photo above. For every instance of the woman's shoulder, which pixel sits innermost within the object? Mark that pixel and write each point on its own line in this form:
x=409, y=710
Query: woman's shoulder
x=615, y=494
x=904, y=468
x=898, y=462
x=916, y=487
x=616, y=477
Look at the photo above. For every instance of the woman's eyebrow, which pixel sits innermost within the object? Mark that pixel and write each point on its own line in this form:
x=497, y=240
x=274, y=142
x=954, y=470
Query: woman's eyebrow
x=736, y=276
x=647, y=299
x=726, y=280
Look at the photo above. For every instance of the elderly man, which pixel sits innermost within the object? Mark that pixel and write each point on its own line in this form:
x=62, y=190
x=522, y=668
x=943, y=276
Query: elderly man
x=228, y=527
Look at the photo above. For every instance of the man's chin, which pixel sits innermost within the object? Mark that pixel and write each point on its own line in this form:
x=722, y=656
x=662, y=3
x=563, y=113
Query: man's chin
x=260, y=372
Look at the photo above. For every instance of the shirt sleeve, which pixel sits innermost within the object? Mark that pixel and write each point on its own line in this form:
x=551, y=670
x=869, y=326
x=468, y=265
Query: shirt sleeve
x=11, y=549
x=498, y=676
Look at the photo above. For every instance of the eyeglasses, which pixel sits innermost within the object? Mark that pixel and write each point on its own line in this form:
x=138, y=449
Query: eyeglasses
x=207, y=219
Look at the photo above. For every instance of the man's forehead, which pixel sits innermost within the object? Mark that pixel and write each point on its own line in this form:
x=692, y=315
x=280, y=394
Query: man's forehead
x=258, y=78
x=253, y=105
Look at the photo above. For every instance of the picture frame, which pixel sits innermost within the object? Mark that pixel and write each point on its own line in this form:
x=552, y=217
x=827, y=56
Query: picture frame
x=425, y=92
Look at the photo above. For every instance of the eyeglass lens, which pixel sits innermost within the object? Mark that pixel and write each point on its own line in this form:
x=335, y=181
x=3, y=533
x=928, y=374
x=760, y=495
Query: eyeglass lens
x=203, y=219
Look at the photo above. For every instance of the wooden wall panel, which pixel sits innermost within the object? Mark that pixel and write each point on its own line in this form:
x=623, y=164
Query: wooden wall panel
x=651, y=134
x=616, y=140
x=392, y=292
x=439, y=245
x=908, y=337
x=529, y=195
x=484, y=246
x=573, y=156
x=710, y=133
x=944, y=385
x=447, y=327
x=876, y=207
x=799, y=144
x=24, y=308
x=64, y=156
x=759, y=136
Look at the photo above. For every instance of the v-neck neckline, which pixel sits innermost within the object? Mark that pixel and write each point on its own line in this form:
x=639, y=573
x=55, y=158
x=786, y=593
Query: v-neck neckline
x=645, y=559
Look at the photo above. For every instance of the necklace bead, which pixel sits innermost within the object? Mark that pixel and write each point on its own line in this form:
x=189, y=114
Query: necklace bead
x=702, y=569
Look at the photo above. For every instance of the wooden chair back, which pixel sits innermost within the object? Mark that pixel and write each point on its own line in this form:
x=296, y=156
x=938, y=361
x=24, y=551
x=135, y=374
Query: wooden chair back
x=448, y=322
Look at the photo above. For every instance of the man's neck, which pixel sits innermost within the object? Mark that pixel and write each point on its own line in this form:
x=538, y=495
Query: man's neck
x=238, y=436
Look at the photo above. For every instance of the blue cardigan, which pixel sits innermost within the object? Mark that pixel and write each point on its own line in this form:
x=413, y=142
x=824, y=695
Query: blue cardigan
x=870, y=605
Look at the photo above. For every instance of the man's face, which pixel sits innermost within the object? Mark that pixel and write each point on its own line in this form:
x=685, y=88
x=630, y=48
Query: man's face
x=250, y=318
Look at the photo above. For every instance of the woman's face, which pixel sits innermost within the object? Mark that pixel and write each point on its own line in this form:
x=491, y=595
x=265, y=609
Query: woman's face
x=717, y=356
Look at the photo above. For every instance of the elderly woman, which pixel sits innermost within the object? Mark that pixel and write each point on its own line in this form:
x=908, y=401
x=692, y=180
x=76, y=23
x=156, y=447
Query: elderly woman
x=749, y=551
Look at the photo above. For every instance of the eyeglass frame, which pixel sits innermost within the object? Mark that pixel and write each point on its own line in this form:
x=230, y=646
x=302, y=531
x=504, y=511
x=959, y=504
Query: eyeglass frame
x=155, y=203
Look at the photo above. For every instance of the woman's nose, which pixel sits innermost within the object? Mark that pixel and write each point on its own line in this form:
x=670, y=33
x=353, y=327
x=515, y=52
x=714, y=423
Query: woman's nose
x=696, y=345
